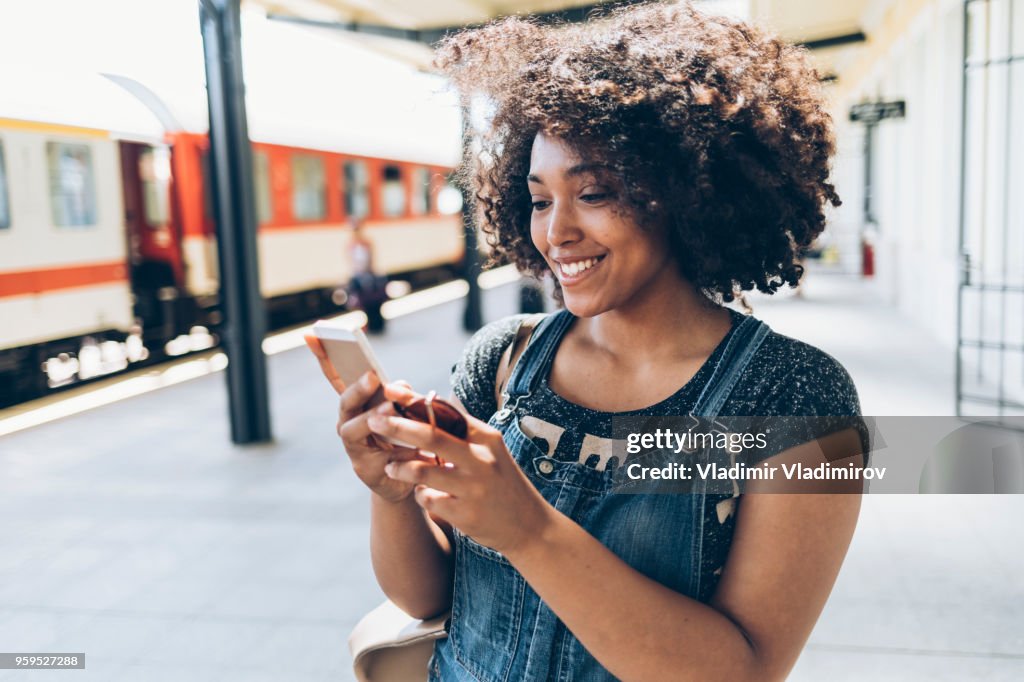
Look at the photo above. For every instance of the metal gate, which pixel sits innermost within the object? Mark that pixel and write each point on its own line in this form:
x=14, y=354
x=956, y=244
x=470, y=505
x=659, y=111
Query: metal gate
x=990, y=338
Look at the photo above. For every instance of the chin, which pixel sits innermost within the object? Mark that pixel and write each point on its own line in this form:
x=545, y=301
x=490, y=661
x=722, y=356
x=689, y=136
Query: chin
x=583, y=306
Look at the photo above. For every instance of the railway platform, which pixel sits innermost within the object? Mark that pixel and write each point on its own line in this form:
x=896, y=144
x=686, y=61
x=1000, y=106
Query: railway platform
x=136, y=533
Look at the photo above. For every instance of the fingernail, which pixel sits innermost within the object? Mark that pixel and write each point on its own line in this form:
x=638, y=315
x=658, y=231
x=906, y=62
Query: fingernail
x=390, y=468
x=367, y=380
x=376, y=422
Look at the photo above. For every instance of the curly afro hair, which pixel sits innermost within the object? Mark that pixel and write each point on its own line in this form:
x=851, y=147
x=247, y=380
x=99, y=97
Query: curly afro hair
x=706, y=125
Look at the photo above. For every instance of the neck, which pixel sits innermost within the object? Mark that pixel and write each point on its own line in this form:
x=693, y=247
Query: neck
x=671, y=320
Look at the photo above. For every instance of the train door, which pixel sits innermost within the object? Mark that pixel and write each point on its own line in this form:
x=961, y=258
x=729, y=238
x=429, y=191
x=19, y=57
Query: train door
x=154, y=236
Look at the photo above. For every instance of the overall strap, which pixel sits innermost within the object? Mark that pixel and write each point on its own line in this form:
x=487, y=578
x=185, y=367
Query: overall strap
x=534, y=361
x=739, y=350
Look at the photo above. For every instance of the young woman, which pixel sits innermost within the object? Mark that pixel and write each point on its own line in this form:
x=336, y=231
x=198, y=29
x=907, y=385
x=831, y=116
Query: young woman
x=657, y=162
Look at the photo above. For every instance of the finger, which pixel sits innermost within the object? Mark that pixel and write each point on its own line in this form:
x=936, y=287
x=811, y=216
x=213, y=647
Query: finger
x=314, y=345
x=325, y=364
x=411, y=455
x=436, y=502
x=424, y=473
x=400, y=392
x=423, y=436
x=354, y=429
x=360, y=442
x=355, y=397
x=482, y=432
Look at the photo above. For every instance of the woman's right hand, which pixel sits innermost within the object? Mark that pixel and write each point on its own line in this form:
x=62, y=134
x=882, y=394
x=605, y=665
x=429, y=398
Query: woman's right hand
x=368, y=454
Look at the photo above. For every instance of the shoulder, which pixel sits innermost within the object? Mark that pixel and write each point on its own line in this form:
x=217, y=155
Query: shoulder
x=793, y=378
x=472, y=377
x=494, y=333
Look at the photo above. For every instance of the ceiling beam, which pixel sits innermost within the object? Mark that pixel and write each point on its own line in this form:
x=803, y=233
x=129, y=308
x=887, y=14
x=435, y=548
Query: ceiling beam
x=835, y=41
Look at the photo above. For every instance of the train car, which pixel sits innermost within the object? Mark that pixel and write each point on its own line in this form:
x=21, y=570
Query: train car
x=66, y=300
x=107, y=244
x=306, y=200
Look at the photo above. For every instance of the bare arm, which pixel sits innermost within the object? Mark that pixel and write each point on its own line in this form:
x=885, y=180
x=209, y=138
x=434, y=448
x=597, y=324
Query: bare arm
x=412, y=557
x=411, y=553
x=785, y=556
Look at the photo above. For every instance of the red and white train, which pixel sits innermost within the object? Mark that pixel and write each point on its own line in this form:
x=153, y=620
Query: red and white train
x=108, y=248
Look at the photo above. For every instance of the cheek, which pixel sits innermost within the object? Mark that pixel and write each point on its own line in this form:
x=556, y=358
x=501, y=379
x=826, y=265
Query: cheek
x=655, y=243
x=649, y=250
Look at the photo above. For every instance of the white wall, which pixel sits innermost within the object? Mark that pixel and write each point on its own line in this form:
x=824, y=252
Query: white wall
x=916, y=168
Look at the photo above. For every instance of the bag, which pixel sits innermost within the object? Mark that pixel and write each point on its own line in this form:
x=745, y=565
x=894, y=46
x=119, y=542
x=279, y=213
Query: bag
x=388, y=645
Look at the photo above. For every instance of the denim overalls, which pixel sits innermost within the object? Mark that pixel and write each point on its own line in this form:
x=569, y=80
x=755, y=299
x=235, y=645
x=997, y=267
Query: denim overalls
x=500, y=630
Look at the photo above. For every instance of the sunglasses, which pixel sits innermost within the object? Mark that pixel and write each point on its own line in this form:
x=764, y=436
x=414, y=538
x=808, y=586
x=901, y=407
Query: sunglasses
x=437, y=412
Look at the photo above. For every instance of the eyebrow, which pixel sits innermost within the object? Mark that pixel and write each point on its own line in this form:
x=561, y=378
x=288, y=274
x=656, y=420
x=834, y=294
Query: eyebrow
x=578, y=169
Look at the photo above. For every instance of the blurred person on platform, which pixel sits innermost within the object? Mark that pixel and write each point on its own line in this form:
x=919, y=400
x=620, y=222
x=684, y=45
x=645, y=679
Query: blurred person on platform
x=366, y=289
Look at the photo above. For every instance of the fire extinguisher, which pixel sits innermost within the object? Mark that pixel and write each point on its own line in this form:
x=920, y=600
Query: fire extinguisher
x=867, y=258
x=867, y=255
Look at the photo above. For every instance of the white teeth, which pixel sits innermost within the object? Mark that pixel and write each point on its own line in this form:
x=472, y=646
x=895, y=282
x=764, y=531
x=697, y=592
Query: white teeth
x=575, y=268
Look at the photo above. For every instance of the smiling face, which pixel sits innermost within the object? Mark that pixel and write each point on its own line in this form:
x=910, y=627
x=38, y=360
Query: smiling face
x=601, y=257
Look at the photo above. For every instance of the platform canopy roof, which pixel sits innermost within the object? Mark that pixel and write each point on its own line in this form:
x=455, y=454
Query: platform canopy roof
x=835, y=30
x=404, y=28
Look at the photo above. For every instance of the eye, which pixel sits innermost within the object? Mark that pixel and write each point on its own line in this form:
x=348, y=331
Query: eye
x=540, y=204
x=595, y=193
x=595, y=197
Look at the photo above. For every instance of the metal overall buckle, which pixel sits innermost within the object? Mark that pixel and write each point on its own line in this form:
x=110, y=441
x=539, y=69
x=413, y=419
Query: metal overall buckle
x=505, y=412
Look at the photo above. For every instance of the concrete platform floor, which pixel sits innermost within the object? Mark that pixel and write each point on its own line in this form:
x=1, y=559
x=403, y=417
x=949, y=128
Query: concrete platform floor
x=136, y=533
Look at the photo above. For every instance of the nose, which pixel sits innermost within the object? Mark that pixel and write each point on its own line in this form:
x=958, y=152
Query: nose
x=563, y=226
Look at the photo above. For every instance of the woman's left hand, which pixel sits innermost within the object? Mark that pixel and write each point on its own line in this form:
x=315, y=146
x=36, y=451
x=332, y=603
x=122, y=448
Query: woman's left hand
x=481, y=490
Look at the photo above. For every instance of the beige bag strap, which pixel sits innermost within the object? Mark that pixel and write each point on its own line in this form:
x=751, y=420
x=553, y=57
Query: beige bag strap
x=511, y=355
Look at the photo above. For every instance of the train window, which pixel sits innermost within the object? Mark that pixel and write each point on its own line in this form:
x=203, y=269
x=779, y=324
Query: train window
x=72, y=184
x=155, y=173
x=264, y=207
x=393, y=192
x=308, y=187
x=5, y=209
x=357, y=189
x=421, y=191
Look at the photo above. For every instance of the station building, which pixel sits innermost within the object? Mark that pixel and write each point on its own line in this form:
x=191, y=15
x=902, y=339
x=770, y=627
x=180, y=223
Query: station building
x=928, y=99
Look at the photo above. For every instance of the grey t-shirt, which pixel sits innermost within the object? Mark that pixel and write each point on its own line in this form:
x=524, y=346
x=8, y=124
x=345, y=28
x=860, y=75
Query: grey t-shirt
x=785, y=377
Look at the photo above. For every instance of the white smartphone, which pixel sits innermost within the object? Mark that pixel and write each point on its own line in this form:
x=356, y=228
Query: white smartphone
x=349, y=351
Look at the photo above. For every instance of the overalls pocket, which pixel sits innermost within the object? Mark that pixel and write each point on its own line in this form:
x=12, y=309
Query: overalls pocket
x=487, y=604
x=487, y=610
